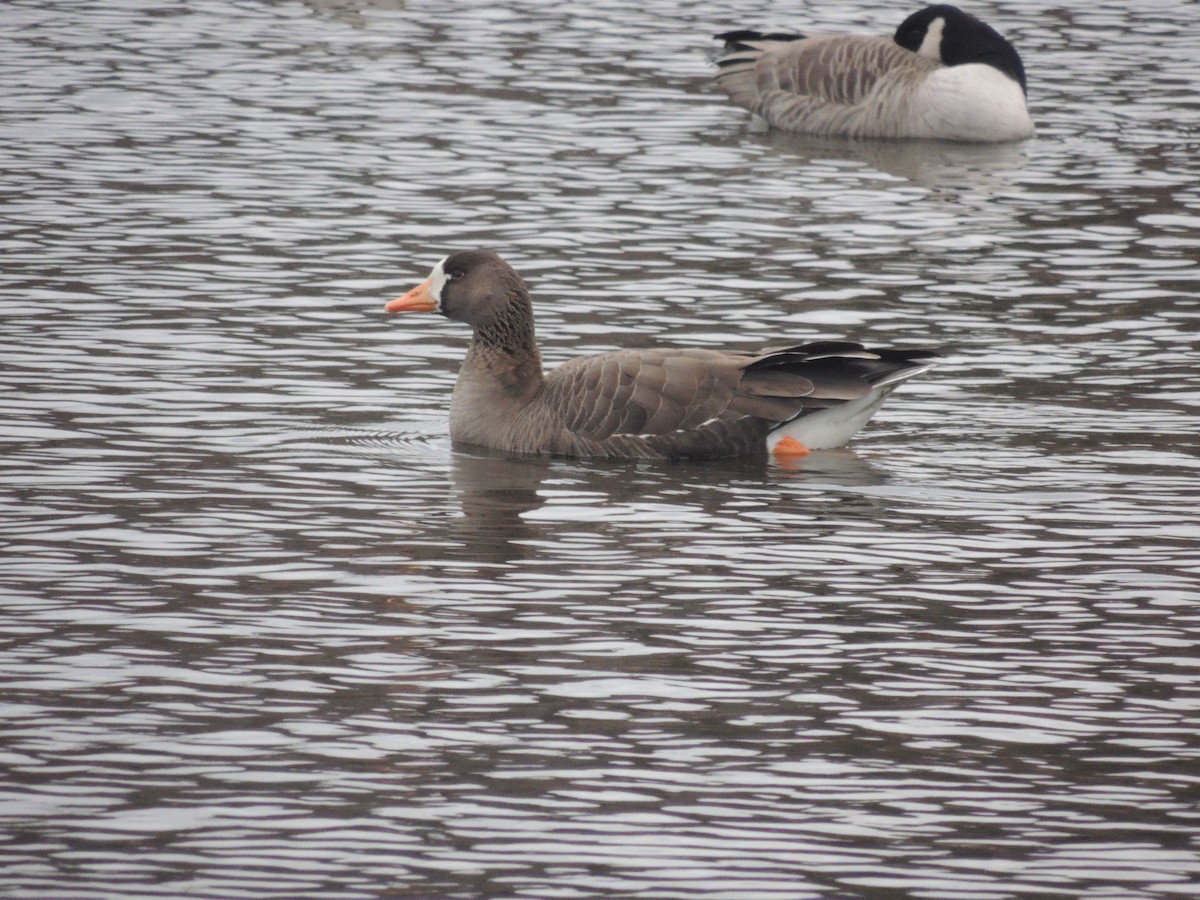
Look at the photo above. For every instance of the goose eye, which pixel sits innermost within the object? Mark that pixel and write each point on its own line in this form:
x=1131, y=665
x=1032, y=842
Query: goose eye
x=454, y=274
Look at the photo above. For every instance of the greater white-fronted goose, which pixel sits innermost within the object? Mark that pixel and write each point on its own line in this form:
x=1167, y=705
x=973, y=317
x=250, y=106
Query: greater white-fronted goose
x=662, y=403
x=944, y=75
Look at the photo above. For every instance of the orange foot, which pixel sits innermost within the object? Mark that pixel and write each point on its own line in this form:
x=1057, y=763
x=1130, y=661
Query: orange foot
x=789, y=449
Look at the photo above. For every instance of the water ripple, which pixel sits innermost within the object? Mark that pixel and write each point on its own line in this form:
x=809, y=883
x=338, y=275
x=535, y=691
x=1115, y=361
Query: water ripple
x=264, y=632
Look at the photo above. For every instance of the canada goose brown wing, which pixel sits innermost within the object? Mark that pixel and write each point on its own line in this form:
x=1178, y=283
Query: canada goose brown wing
x=840, y=69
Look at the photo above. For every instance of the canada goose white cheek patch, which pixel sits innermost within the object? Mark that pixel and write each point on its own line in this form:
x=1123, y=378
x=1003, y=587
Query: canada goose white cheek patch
x=931, y=47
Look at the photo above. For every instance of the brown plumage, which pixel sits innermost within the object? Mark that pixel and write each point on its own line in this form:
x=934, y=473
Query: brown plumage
x=655, y=403
x=839, y=69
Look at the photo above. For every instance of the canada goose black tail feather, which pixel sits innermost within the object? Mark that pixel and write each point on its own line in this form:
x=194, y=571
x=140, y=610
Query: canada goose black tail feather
x=737, y=40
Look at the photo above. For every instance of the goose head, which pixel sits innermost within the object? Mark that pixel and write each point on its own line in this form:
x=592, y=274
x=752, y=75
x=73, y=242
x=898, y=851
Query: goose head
x=479, y=288
x=952, y=37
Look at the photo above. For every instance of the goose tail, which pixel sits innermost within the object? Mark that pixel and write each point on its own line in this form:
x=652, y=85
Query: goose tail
x=735, y=66
x=849, y=384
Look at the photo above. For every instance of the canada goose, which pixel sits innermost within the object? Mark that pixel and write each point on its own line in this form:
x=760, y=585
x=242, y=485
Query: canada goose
x=662, y=403
x=944, y=75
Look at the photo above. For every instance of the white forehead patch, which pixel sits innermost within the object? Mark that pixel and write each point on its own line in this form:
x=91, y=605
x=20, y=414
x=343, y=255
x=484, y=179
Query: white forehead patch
x=437, y=280
x=932, y=45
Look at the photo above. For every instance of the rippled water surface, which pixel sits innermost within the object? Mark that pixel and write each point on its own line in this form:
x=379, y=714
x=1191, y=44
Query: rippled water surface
x=266, y=634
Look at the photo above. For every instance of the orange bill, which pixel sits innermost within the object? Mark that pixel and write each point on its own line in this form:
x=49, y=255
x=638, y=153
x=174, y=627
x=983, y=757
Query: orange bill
x=419, y=299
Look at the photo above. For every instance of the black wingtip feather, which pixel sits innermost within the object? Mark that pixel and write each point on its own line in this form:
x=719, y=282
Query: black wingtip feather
x=749, y=34
x=737, y=40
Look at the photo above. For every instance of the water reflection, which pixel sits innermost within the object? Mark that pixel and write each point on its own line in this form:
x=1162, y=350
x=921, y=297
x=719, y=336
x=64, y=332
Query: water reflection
x=494, y=493
x=984, y=168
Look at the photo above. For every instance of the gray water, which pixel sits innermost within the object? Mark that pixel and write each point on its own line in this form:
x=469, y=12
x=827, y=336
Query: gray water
x=267, y=635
